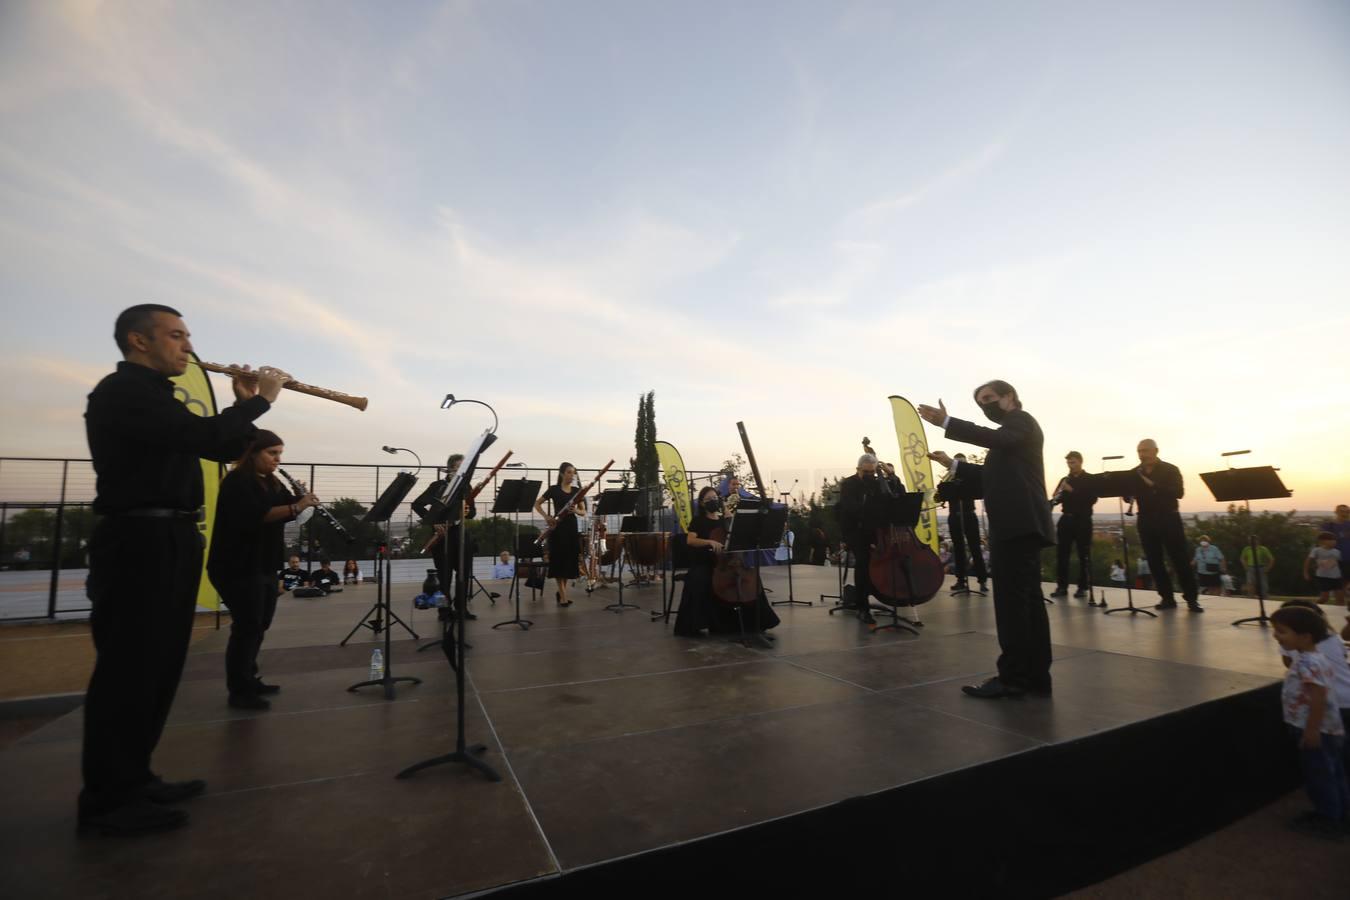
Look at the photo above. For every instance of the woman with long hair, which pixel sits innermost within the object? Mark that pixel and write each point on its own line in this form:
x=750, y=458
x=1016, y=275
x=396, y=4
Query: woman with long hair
x=700, y=610
x=564, y=542
x=247, y=552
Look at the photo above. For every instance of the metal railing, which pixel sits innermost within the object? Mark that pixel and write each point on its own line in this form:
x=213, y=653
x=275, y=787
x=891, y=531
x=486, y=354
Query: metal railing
x=46, y=520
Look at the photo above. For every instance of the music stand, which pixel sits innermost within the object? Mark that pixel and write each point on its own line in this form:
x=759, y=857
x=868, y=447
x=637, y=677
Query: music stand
x=753, y=530
x=620, y=502
x=515, y=497
x=955, y=492
x=1121, y=485
x=382, y=510
x=1256, y=483
x=454, y=649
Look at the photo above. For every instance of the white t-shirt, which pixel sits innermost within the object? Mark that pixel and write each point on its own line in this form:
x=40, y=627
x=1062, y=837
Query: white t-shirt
x=1333, y=650
x=1328, y=562
x=1118, y=573
x=1307, y=669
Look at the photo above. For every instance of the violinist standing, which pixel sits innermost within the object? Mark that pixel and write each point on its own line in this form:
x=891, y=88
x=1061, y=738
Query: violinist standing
x=860, y=515
x=1019, y=527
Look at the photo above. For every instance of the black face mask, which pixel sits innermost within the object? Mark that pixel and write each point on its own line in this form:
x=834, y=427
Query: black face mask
x=711, y=505
x=993, y=412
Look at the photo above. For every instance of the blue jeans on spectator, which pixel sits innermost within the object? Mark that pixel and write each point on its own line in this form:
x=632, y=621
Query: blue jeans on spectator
x=1324, y=776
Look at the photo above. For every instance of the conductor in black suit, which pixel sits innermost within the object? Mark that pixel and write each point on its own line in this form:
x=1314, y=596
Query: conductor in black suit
x=1019, y=527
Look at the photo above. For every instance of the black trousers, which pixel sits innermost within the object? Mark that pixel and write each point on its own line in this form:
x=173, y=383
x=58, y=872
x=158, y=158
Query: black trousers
x=862, y=574
x=1072, y=532
x=1019, y=612
x=252, y=602
x=143, y=580
x=1165, y=534
x=964, y=526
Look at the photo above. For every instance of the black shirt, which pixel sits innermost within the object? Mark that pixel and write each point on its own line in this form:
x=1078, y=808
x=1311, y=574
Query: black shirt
x=1083, y=497
x=242, y=543
x=558, y=497
x=293, y=578
x=147, y=446
x=703, y=527
x=1167, y=489
x=325, y=580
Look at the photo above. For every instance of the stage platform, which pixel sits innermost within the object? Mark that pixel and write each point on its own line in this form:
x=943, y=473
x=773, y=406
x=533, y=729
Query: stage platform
x=633, y=757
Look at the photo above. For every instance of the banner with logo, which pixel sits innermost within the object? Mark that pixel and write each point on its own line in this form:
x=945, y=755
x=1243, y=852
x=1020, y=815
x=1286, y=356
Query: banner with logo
x=193, y=390
x=918, y=468
x=677, y=482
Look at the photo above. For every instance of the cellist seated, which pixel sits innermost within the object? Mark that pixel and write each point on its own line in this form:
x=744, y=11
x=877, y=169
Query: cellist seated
x=701, y=608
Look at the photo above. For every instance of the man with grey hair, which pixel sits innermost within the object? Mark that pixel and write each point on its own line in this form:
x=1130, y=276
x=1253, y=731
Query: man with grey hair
x=1158, y=487
x=1019, y=526
x=860, y=514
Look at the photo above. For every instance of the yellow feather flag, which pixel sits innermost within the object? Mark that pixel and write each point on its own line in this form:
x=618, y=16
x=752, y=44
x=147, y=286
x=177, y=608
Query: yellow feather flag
x=677, y=482
x=193, y=390
x=918, y=468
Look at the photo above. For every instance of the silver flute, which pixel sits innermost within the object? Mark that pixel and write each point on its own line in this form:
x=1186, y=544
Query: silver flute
x=301, y=490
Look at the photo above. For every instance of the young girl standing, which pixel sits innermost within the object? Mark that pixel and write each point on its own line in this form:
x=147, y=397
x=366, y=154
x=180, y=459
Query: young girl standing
x=1313, y=717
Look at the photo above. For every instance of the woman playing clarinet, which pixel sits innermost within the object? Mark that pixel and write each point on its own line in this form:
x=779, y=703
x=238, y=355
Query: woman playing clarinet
x=247, y=549
x=564, y=541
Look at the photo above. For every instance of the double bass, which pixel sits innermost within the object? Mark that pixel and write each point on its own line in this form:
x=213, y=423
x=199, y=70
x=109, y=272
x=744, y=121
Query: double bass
x=904, y=570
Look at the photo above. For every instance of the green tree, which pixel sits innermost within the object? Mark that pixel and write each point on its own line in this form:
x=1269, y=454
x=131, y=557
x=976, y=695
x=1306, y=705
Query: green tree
x=646, y=465
x=1286, y=539
x=33, y=529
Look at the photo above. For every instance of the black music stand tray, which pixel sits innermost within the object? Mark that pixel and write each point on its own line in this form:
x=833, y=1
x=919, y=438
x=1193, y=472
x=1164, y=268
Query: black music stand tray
x=1256, y=483
x=1121, y=485
x=380, y=512
x=453, y=632
x=515, y=497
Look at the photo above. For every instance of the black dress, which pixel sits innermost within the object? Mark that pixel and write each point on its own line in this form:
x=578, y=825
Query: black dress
x=246, y=553
x=700, y=610
x=564, y=543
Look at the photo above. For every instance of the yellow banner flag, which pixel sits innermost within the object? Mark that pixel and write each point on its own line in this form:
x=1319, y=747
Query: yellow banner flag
x=918, y=468
x=193, y=390
x=677, y=482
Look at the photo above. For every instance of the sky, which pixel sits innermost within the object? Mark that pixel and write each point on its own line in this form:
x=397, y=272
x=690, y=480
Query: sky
x=772, y=212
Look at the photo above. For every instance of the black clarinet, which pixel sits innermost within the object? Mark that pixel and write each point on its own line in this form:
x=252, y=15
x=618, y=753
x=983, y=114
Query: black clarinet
x=322, y=510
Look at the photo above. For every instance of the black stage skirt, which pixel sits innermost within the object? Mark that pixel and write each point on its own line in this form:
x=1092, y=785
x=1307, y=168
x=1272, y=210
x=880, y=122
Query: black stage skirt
x=701, y=611
x=564, y=550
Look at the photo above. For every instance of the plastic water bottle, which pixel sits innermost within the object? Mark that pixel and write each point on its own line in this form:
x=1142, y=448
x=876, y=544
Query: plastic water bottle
x=376, y=664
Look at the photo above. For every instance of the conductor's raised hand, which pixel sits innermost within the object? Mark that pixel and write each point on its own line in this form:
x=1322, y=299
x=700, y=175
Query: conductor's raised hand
x=934, y=415
x=941, y=459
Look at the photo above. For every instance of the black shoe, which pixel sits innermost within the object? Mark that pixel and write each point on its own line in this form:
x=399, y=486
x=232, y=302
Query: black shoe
x=865, y=617
x=1195, y=607
x=1166, y=604
x=262, y=688
x=983, y=589
x=960, y=586
x=1081, y=594
x=468, y=616
x=249, y=701
x=161, y=791
x=992, y=689
x=1040, y=690
x=1059, y=593
x=137, y=817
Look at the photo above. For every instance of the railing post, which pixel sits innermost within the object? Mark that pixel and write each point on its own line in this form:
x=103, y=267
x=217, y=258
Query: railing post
x=56, y=558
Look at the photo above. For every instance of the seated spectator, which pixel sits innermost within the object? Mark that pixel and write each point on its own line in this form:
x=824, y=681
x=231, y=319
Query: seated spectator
x=293, y=576
x=504, y=567
x=351, y=573
x=325, y=579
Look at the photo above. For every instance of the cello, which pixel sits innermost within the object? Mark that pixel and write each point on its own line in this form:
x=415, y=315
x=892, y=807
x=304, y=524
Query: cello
x=904, y=570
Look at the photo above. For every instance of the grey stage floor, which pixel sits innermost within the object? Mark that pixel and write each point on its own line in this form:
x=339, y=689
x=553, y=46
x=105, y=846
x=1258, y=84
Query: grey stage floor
x=613, y=737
